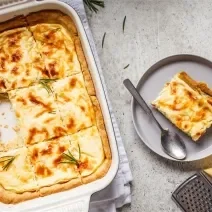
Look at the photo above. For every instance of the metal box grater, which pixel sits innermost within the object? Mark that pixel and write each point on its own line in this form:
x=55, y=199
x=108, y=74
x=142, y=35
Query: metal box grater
x=195, y=194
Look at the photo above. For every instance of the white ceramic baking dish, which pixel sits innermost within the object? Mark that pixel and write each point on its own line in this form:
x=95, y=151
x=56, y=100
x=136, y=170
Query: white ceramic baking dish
x=77, y=199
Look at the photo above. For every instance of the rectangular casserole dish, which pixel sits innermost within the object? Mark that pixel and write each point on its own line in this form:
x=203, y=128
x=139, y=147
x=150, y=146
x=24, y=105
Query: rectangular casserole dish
x=75, y=199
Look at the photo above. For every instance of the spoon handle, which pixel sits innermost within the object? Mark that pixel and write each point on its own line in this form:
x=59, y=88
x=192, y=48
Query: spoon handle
x=130, y=87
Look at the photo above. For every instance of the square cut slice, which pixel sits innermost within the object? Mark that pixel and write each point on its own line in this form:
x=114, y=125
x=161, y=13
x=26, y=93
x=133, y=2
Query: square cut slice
x=186, y=105
x=51, y=167
x=57, y=49
x=74, y=103
x=37, y=114
x=20, y=62
x=92, y=154
x=17, y=176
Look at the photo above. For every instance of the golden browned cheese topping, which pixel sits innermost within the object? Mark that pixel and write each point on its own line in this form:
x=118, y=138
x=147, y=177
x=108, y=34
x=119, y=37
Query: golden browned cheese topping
x=61, y=149
x=82, y=108
x=73, y=82
x=34, y=155
x=14, y=71
x=83, y=165
x=52, y=69
x=43, y=171
x=22, y=100
x=16, y=57
x=71, y=123
x=48, y=150
x=57, y=160
x=38, y=101
x=2, y=84
x=34, y=131
x=2, y=64
x=59, y=131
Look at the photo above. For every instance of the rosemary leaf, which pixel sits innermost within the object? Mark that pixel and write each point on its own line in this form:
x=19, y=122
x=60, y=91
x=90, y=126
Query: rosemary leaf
x=44, y=82
x=93, y=4
x=69, y=158
x=73, y=158
x=8, y=162
x=103, y=39
x=124, y=21
x=47, y=80
x=46, y=86
x=126, y=66
x=79, y=151
x=68, y=162
x=52, y=112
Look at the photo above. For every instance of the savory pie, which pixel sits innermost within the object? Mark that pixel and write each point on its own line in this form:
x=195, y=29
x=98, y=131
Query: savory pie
x=62, y=141
x=187, y=104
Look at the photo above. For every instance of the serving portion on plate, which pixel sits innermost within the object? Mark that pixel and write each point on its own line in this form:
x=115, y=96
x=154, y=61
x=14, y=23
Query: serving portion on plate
x=184, y=101
x=187, y=104
x=61, y=138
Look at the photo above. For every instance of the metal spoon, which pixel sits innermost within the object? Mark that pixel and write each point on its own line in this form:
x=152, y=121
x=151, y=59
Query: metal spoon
x=170, y=141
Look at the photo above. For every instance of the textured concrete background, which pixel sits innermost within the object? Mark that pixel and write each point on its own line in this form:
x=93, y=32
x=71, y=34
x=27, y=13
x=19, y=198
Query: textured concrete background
x=154, y=29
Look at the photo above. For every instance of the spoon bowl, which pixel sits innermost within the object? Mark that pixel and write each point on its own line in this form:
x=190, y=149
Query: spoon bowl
x=173, y=145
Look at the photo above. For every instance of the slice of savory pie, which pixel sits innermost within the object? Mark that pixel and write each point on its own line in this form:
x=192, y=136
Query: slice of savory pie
x=57, y=49
x=55, y=162
x=17, y=178
x=20, y=62
x=92, y=155
x=187, y=104
x=74, y=103
x=37, y=113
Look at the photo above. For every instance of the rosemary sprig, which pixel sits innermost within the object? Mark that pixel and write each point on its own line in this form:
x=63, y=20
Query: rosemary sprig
x=126, y=66
x=47, y=87
x=69, y=158
x=47, y=80
x=4, y=96
x=7, y=160
x=124, y=21
x=44, y=83
x=103, y=39
x=93, y=4
x=52, y=112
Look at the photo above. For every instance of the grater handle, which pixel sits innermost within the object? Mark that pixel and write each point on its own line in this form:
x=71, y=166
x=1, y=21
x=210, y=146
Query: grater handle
x=78, y=205
x=4, y=4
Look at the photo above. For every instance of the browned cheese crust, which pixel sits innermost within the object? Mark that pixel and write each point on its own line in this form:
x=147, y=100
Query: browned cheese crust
x=16, y=22
x=201, y=87
x=10, y=197
x=60, y=187
x=99, y=173
x=187, y=79
x=104, y=167
x=101, y=127
x=86, y=74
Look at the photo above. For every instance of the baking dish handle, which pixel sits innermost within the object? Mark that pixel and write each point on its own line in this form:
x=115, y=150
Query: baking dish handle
x=80, y=204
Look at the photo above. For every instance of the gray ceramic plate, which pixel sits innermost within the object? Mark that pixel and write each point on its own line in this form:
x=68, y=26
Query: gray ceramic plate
x=149, y=86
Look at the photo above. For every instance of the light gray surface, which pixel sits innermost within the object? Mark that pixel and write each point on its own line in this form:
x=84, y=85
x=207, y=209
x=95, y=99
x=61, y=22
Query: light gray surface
x=154, y=30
